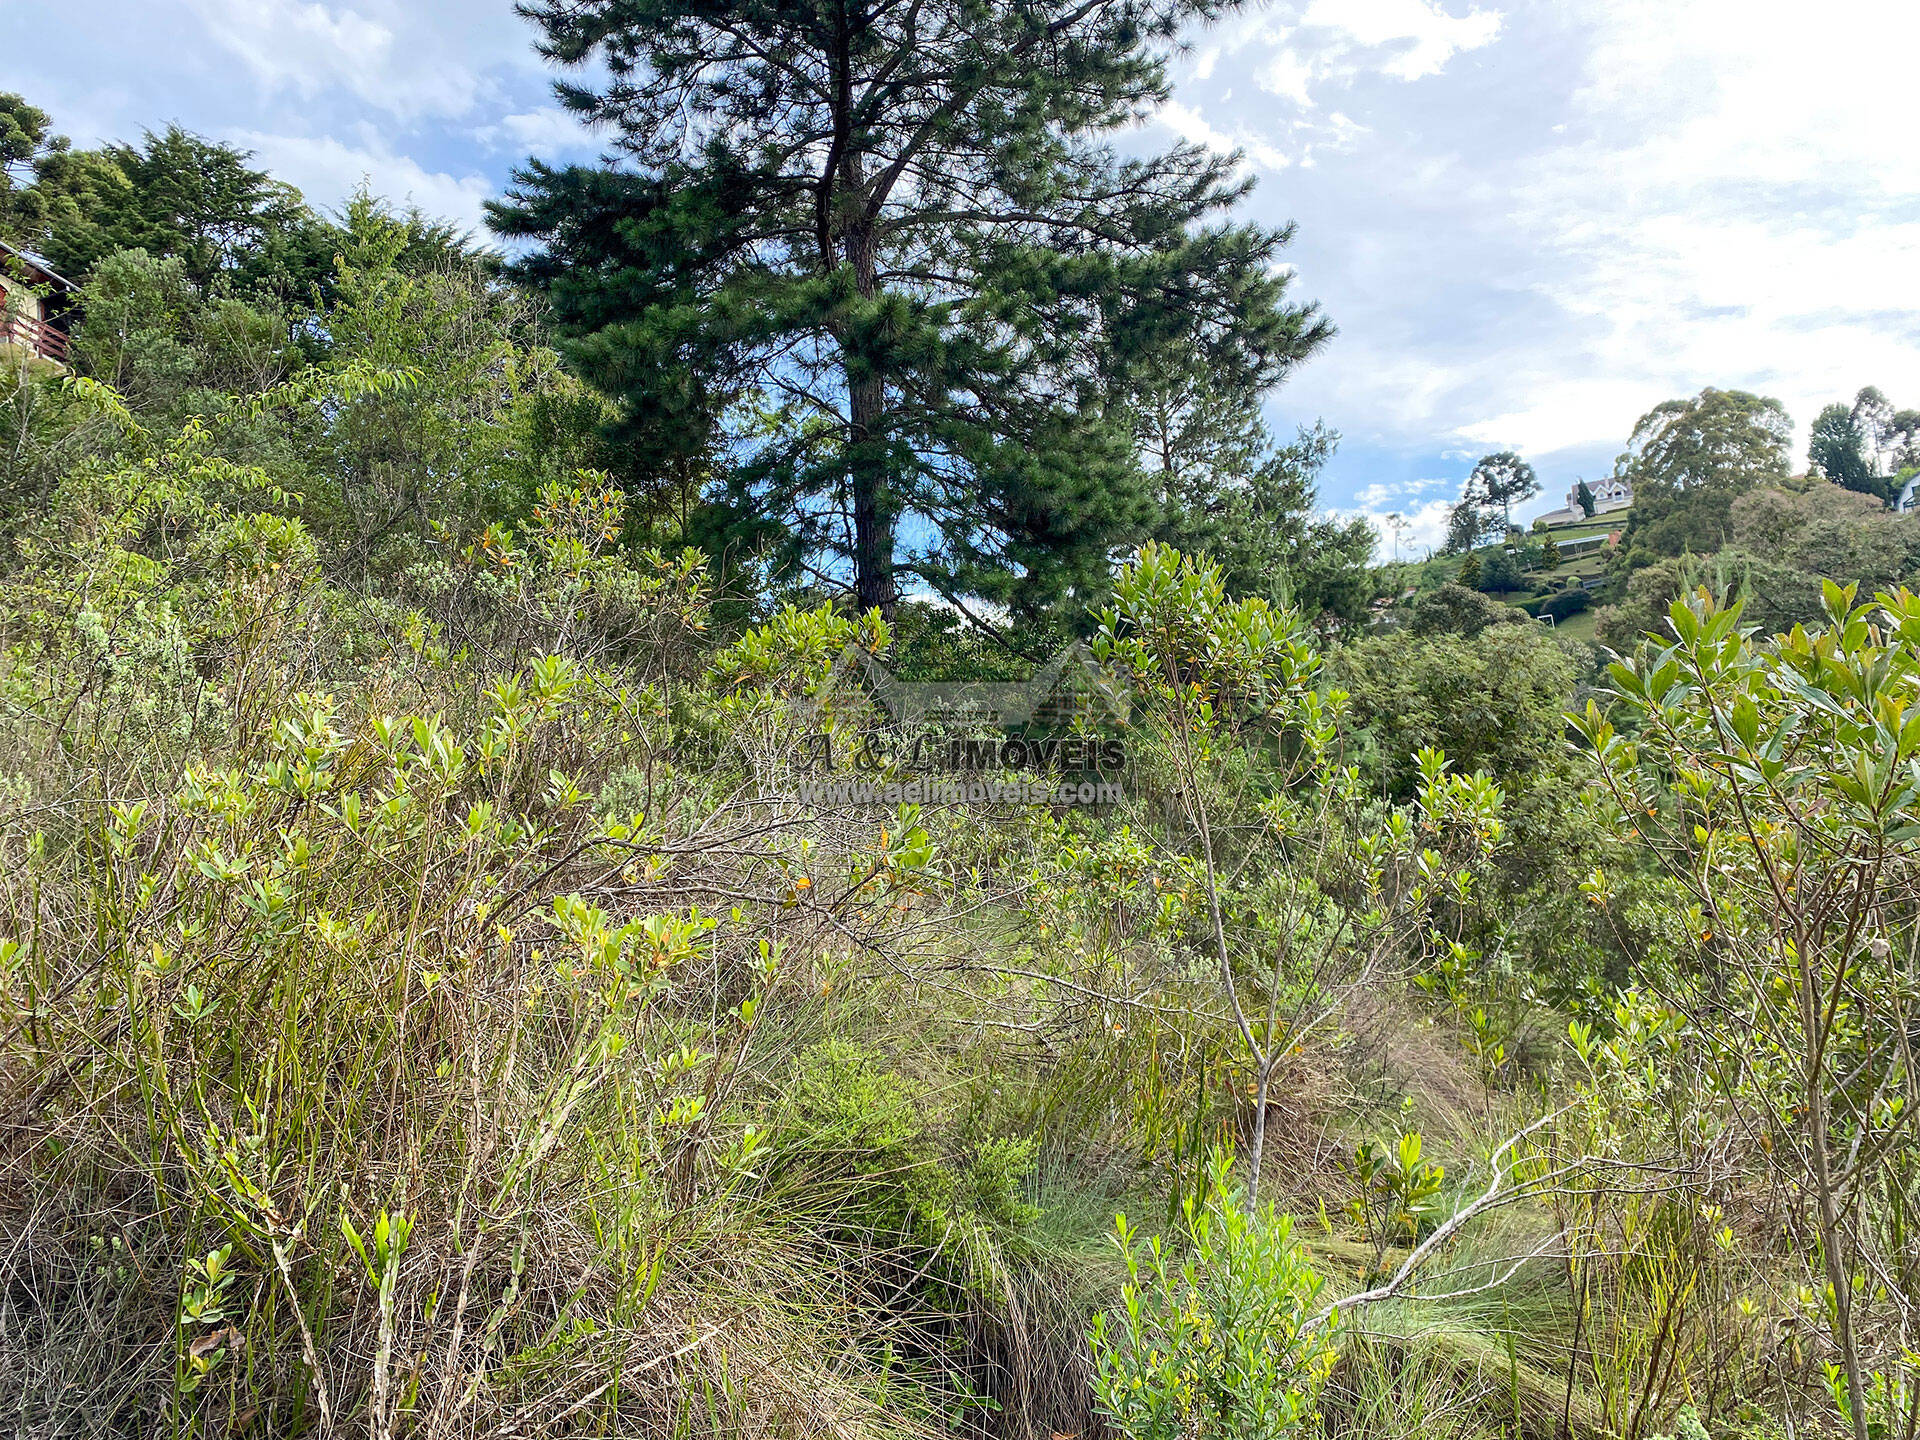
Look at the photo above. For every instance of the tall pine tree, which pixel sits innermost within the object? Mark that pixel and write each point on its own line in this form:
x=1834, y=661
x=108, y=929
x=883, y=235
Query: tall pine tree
x=881, y=256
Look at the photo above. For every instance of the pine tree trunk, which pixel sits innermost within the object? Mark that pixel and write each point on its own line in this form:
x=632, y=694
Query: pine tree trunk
x=873, y=510
x=872, y=514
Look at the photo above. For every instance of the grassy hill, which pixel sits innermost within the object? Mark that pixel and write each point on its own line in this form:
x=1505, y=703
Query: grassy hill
x=1589, y=568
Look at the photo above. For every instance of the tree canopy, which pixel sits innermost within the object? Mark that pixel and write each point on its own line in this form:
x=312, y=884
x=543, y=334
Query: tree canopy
x=1837, y=449
x=1485, y=508
x=175, y=194
x=1782, y=547
x=1865, y=446
x=1503, y=480
x=1252, y=505
x=882, y=258
x=25, y=135
x=1689, y=459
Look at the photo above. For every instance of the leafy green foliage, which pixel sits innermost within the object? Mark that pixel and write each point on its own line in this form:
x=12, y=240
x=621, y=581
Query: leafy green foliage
x=1865, y=446
x=1776, y=784
x=1458, y=610
x=1253, y=510
x=180, y=196
x=1485, y=508
x=1690, y=459
x=1783, y=545
x=365, y=898
x=1222, y=1340
x=1499, y=570
x=491, y=419
x=389, y=480
x=849, y=1111
x=25, y=136
x=169, y=350
x=430, y=1002
x=236, y=231
x=1836, y=449
x=1493, y=702
x=1393, y=1191
x=1343, y=894
x=1491, y=699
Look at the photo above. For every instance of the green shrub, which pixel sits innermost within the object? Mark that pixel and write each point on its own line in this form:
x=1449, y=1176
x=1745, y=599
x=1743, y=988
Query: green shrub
x=857, y=1129
x=1499, y=571
x=1566, y=603
x=1222, y=1342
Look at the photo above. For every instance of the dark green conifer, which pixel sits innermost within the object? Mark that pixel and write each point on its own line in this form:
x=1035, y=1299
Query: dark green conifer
x=883, y=257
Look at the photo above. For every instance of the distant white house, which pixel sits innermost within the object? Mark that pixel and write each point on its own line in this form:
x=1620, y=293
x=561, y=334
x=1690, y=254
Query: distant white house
x=1609, y=493
x=1905, y=502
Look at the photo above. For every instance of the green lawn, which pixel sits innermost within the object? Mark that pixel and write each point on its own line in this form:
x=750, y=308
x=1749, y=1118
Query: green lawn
x=1599, y=525
x=1589, y=566
x=1577, y=627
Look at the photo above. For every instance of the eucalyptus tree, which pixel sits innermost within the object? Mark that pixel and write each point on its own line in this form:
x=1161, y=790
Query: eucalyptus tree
x=1689, y=459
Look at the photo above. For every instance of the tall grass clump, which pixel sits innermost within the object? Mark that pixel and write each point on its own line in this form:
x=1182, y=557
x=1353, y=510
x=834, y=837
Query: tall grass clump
x=336, y=1092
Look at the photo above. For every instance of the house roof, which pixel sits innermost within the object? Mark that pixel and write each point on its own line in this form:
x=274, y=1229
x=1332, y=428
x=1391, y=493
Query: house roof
x=35, y=262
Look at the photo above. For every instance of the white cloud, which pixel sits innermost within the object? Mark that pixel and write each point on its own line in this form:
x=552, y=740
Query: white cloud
x=1417, y=37
x=404, y=60
x=1561, y=414
x=1304, y=137
x=327, y=172
x=1422, y=529
x=546, y=131
x=1753, y=226
x=1702, y=193
x=1420, y=513
x=1291, y=76
x=1342, y=131
x=1388, y=497
x=1338, y=41
x=1191, y=126
x=291, y=41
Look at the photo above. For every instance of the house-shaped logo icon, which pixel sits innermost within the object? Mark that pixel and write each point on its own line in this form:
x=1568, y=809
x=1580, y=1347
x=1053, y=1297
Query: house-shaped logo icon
x=1072, y=688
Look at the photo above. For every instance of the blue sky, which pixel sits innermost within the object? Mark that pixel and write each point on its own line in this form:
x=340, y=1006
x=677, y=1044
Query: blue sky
x=1530, y=221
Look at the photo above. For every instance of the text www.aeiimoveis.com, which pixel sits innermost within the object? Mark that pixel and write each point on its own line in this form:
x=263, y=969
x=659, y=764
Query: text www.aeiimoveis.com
x=833, y=793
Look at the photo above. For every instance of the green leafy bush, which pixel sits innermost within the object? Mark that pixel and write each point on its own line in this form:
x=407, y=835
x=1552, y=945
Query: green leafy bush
x=1221, y=1341
x=858, y=1131
x=1567, y=602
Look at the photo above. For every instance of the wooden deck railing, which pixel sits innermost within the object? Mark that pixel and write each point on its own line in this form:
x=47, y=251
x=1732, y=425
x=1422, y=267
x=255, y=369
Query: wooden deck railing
x=42, y=338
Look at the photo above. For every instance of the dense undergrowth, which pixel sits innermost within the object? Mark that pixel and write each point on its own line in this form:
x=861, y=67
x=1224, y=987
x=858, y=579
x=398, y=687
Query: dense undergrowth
x=426, y=1009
